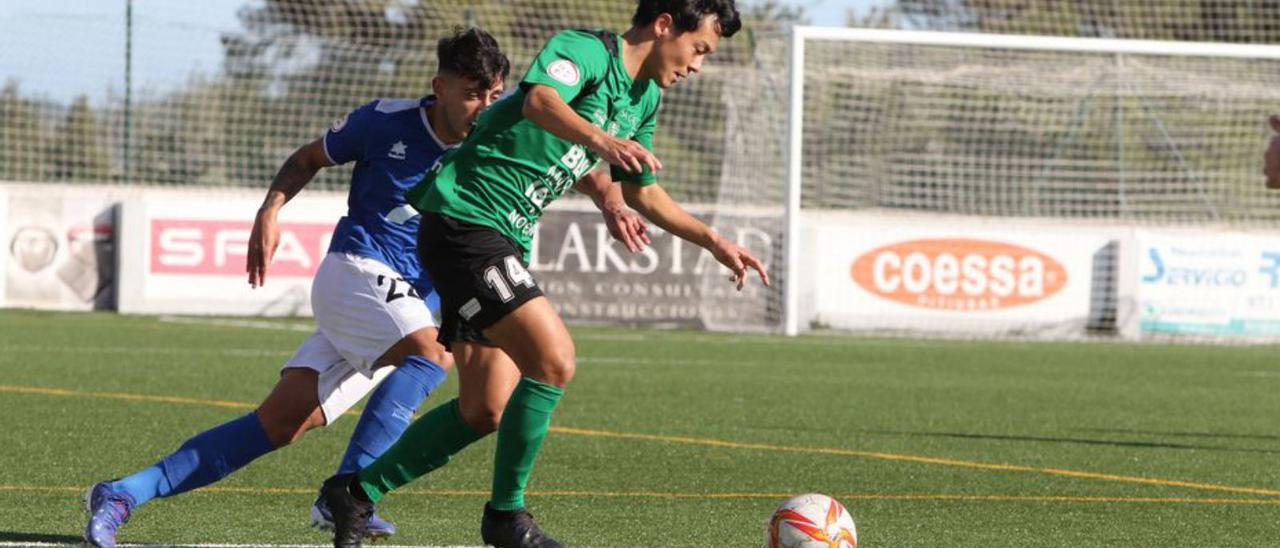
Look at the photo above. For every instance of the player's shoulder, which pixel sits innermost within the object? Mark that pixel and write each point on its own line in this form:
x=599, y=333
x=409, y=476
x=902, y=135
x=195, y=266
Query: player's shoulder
x=388, y=107
x=381, y=113
x=583, y=41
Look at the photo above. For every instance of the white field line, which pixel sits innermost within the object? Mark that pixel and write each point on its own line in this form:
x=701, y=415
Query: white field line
x=24, y=544
x=135, y=350
x=262, y=353
x=647, y=336
x=306, y=327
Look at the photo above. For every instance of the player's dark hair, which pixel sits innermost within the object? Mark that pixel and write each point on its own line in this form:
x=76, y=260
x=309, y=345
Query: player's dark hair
x=473, y=54
x=688, y=13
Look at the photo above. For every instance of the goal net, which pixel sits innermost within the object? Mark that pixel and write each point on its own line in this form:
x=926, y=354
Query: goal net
x=923, y=149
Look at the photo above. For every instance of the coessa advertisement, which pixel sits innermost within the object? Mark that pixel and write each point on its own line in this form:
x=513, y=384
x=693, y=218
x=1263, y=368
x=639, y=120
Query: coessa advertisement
x=959, y=274
x=876, y=272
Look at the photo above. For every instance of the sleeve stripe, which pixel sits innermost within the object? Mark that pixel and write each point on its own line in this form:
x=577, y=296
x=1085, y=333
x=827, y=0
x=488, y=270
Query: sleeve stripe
x=324, y=141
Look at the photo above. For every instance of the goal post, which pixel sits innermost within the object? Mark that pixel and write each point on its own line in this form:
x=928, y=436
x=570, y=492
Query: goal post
x=1023, y=135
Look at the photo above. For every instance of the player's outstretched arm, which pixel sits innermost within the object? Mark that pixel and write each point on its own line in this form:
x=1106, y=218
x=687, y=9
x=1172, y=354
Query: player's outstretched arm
x=544, y=106
x=296, y=172
x=624, y=225
x=656, y=205
x=1271, y=160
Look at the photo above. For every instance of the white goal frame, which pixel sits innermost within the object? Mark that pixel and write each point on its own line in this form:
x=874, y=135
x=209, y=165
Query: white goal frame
x=801, y=34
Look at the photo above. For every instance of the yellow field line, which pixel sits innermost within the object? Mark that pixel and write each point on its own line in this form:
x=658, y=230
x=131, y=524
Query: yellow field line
x=708, y=442
x=919, y=459
x=721, y=496
x=123, y=396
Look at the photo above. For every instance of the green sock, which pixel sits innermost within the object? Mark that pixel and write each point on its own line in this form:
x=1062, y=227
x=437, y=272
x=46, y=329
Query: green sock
x=524, y=426
x=427, y=444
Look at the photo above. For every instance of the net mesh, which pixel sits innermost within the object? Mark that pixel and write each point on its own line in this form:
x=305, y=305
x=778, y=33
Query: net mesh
x=1236, y=21
x=274, y=76
x=278, y=75
x=991, y=132
x=909, y=128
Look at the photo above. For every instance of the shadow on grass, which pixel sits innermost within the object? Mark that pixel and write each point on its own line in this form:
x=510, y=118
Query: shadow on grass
x=13, y=536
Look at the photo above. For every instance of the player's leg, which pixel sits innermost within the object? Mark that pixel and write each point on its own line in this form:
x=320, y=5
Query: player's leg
x=423, y=366
x=289, y=410
x=486, y=379
x=375, y=318
x=540, y=345
x=423, y=363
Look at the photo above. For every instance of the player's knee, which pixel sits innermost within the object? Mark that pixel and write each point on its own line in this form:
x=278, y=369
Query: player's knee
x=285, y=428
x=437, y=354
x=558, y=367
x=482, y=418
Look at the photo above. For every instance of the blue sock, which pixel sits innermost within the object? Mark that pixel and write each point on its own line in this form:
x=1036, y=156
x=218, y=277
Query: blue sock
x=205, y=458
x=389, y=411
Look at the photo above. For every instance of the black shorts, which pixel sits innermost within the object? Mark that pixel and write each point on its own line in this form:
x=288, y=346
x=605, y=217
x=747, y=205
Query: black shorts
x=479, y=273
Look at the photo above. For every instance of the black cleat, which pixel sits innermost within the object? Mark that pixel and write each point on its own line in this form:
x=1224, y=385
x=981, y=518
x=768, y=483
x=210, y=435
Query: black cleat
x=350, y=514
x=514, y=529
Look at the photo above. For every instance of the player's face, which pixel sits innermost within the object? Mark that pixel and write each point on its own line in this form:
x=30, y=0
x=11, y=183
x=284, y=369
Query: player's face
x=464, y=99
x=677, y=55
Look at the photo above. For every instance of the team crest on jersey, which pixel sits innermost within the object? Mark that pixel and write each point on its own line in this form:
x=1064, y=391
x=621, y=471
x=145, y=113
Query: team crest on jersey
x=398, y=151
x=339, y=123
x=564, y=71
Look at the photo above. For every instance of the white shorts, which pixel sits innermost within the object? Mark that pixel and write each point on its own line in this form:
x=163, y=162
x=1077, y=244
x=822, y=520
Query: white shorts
x=362, y=308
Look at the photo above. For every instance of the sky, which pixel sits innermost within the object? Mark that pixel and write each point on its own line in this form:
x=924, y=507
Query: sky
x=64, y=48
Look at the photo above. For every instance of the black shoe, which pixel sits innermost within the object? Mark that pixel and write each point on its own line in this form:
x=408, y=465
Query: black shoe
x=350, y=515
x=514, y=529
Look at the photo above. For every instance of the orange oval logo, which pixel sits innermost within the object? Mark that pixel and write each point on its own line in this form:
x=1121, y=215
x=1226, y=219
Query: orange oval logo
x=959, y=274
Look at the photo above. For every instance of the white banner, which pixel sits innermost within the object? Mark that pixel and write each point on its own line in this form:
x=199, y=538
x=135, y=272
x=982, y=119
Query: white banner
x=959, y=275
x=59, y=247
x=1208, y=283
x=184, y=253
x=4, y=253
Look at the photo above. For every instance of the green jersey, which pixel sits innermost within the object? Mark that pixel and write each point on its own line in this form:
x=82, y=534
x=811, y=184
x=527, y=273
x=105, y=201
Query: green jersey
x=509, y=169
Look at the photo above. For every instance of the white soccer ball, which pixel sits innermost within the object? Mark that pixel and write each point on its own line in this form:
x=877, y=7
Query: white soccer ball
x=811, y=521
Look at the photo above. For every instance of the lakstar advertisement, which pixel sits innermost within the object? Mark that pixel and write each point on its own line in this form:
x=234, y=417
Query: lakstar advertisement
x=1208, y=283
x=592, y=279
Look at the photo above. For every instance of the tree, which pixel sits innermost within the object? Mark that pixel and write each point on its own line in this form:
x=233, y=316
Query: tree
x=76, y=153
x=21, y=150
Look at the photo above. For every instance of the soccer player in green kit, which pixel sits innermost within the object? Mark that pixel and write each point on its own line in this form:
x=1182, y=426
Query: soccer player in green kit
x=588, y=96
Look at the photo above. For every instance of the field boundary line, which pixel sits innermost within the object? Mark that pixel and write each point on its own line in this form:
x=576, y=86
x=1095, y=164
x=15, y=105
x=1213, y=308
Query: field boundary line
x=941, y=497
x=711, y=442
x=132, y=545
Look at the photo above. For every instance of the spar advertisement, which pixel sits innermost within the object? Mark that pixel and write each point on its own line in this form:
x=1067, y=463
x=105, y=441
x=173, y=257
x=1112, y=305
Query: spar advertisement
x=1208, y=283
x=185, y=253
x=877, y=272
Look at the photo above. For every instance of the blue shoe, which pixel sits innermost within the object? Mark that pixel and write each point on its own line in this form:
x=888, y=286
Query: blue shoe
x=322, y=520
x=108, y=510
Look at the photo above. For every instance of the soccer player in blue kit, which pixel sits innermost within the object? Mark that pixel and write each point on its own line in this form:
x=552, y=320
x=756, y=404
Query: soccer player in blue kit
x=372, y=302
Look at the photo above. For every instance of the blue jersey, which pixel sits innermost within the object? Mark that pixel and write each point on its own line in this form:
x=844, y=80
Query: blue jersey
x=393, y=146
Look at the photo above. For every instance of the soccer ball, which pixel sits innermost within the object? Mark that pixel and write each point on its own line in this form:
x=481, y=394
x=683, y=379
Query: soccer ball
x=811, y=521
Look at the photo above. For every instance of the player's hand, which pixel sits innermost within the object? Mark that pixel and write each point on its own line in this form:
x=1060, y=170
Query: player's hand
x=626, y=154
x=262, y=246
x=738, y=259
x=1271, y=160
x=627, y=227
